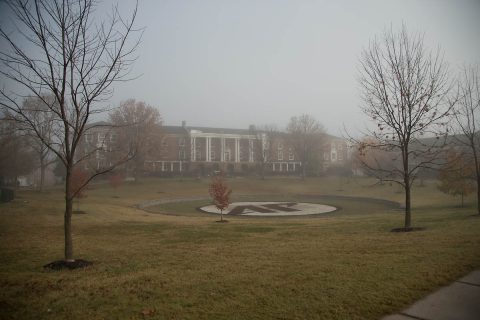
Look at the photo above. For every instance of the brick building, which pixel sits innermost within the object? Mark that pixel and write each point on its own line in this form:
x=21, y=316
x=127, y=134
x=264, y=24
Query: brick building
x=201, y=150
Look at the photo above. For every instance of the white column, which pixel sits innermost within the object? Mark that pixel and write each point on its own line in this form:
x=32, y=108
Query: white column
x=192, y=148
x=180, y=162
x=206, y=149
x=171, y=166
x=250, y=150
x=208, y=142
x=294, y=167
x=237, y=150
x=222, y=149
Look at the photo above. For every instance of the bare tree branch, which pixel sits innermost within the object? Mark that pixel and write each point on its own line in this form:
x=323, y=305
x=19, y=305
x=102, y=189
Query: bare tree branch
x=405, y=90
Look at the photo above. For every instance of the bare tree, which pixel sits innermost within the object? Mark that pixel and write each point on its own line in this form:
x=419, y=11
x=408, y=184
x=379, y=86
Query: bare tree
x=60, y=50
x=307, y=136
x=467, y=118
x=404, y=90
x=264, y=135
x=139, y=128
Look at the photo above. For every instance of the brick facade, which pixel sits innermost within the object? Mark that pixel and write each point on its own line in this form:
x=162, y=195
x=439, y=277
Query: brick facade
x=199, y=150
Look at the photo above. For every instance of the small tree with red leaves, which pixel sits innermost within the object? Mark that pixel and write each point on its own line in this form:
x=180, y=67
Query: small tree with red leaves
x=78, y=180
x=220, y=193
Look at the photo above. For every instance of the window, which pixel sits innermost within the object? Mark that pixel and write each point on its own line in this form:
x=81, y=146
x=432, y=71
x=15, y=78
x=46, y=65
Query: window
x=101, y=137
x=340, y=156
x=280, y=146
x=182, y=155
x=325, y=156
x=334, y=156
x=227, y=155
x=339, y=147
x=280, y=155
x=212, y=155
x=113, y=137
x=290, y=154
x=88, y=138
x=181, y=142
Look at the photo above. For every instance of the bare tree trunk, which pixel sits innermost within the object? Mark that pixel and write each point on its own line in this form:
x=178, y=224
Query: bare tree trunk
x=477, y=171
x=407, y=185
x=478, y=194
x=408, y=210
x=68, y=218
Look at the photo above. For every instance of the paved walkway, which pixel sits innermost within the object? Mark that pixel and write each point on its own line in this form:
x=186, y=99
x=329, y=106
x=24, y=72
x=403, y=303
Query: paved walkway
x=460, y=300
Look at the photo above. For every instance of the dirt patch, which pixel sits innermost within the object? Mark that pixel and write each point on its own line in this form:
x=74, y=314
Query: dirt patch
x=411, y=229
x=63, y=264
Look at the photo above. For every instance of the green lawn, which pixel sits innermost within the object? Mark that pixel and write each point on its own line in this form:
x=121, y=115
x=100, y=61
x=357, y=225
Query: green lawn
x=183, y=265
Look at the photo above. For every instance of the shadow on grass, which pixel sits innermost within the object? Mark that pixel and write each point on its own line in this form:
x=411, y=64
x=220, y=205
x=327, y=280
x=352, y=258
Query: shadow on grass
x=63, y=264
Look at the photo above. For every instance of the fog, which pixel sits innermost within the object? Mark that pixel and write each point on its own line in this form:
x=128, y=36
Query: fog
x=236, y=63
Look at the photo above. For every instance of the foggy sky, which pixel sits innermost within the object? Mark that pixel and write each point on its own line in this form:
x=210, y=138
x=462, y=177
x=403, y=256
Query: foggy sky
x=235, y=63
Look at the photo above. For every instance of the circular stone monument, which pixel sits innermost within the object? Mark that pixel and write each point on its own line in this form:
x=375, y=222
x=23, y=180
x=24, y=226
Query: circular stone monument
x=271, y=209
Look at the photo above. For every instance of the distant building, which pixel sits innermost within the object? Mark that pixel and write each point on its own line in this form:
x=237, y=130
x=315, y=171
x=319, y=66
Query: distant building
x=202, y=150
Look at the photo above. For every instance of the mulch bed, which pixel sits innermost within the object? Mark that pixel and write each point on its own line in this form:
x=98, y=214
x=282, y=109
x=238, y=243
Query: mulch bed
x=63, y=264
x=411, y=229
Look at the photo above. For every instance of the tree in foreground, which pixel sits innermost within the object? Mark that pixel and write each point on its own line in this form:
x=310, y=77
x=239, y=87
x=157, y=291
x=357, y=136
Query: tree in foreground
x=404, y=89
x=307, y=136
x=61, y=51
x=220, y=193
x=456, y=174
x=467, y=118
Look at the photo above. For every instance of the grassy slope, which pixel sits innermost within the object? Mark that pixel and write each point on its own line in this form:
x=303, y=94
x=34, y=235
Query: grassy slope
x=188, y=267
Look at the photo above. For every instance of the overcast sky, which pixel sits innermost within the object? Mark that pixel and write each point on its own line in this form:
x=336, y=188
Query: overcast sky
x=234, y=63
